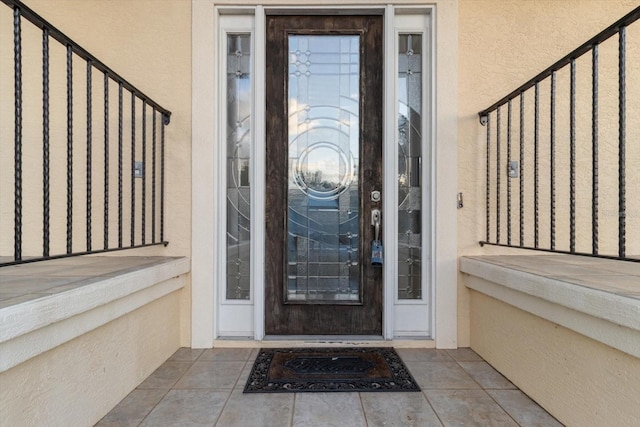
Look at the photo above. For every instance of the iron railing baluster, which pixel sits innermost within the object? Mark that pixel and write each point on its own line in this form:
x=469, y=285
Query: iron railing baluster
x=508, y=178
x=594, y=151
x=144, y=171
x=572, y=159
x=46, y=205
x=69, y=149
x=552, y=177
x=153, y=179
x=17, y=156
x=133, y=169
x=488, y=180
x=89, y=153
x=120, y=180
x=536, y=172
x=165, y=121
x=622, y=133
x=521, y=189
x=498, y=170
x=106, y=161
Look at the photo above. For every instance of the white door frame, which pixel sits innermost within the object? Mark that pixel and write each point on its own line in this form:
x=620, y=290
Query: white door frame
x=206, y=211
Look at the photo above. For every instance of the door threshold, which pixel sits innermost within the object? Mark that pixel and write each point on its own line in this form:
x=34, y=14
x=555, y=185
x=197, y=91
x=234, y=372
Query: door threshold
x=326, y=339
x=272, y=341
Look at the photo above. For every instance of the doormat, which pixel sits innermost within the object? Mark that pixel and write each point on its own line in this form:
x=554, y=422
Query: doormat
x=281, y=370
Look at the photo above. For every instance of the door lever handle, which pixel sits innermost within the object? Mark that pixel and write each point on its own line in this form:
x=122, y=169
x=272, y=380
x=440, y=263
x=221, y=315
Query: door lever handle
x=376, y=219
x=376, y=245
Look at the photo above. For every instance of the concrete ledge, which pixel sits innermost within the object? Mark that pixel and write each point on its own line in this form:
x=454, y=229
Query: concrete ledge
x=601, y=311
x=33, y=327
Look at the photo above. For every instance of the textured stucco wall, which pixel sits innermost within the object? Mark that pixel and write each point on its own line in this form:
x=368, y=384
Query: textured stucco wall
x=580, y=381
x=503, y=44
x=148, y=42
x=77, y=383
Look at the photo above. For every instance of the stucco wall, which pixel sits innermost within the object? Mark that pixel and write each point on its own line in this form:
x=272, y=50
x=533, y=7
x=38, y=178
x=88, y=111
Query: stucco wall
x=503, y=44
x=77, y=383
x=580, y=381
x=148, y=42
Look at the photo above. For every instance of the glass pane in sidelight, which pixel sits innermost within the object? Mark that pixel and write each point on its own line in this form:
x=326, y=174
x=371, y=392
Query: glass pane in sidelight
x=410, y=87
x=238, y=131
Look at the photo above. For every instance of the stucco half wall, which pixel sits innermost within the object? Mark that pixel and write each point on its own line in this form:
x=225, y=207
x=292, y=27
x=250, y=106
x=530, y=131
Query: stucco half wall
x=580, y=381
x=77, y=383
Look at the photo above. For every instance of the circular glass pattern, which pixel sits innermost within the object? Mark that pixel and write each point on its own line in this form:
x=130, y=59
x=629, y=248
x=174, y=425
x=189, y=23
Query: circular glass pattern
x=324, y=171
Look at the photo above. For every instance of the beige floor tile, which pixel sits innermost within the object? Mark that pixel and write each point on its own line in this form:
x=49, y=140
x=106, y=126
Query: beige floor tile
x=211, y=374
x=440, y=375
x=464, y=354
x=133, y=408
x=186, y=408
x=257, y=410
x=398, y=409
x=185, y=354
x=165, y=376
x=244, y=375
x=525, y=411
x=226, y=354
x=486, y=376
x=423, y=355
x=328, y=410
x=453, y=397
x=468, y=408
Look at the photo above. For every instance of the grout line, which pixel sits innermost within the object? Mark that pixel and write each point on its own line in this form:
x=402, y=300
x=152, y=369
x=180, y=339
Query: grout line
x=153, y=408
x=364, y=413
x=432, y=407
x=485, y=390
x=215, y=423
x=293, y=409
x=505, y=411
x=235, y=384
x=191, y=362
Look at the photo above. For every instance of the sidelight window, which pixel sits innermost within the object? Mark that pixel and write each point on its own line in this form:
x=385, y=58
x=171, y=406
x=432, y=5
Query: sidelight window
x=238, y=145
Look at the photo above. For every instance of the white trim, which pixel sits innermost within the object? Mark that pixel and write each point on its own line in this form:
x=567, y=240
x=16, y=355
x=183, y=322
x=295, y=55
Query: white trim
x=445, y=175
x=203, y=207
x=389, y=173
x=259, y=185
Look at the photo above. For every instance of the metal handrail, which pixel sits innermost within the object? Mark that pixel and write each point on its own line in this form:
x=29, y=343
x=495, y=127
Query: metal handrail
x=607, y=33
x=155, y=151
x=58, y=35
x=493, y=148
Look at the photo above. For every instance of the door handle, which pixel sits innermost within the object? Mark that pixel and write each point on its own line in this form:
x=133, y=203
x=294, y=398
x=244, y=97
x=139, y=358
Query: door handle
x=376, y=219
x=376, y=245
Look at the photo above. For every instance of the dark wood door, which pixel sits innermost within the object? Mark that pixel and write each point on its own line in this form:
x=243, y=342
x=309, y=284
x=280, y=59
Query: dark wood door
x=324, y=153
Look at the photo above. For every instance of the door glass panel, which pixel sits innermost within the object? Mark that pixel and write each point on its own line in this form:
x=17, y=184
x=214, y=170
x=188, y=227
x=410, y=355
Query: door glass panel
x=323, y=196
x=409, y=167
x=238, y=131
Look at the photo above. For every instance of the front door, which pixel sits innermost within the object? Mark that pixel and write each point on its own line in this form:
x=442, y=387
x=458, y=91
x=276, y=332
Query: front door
x=323, y=167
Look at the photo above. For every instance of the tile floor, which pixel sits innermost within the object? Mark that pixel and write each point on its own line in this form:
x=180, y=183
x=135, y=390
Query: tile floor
x=204, y=388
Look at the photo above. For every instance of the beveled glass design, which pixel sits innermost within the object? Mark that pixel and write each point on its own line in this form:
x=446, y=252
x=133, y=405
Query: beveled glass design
x=323, y=196
x=409, y=166
x=238, y=131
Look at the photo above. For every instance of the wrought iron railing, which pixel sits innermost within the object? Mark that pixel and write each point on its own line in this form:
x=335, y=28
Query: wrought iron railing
x=565, y=148
x=137, y=172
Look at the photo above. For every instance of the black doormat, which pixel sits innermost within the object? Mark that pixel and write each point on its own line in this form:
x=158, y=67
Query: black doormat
x=278, y=370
